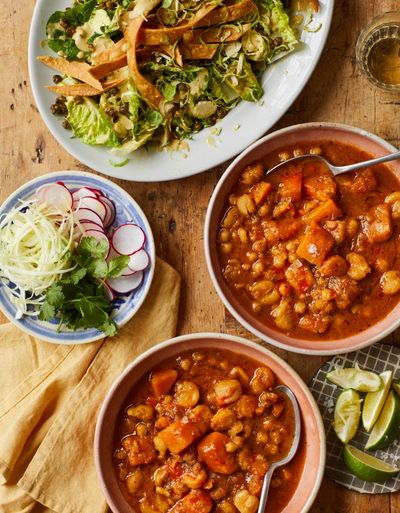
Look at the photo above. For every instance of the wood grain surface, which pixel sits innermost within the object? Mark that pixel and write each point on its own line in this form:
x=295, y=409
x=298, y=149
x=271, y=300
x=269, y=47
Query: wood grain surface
x=336, y=92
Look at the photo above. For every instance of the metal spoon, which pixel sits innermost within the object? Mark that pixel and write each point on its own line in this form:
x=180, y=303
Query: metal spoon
x=337, y=170
x=291, y=453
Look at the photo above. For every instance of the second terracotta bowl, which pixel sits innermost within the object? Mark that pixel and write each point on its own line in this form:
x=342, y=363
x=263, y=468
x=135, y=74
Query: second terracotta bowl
x=314, y=448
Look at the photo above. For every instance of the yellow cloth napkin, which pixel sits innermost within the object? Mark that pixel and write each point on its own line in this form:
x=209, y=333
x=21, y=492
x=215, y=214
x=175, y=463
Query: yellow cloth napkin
x=50, y=399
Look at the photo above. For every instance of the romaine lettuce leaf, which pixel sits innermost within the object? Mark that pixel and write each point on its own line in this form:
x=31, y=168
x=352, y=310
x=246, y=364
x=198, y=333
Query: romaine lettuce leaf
x=90, y=124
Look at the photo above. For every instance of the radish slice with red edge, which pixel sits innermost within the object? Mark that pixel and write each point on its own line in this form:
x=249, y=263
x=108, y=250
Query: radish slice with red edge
x=109, y=293
x=82, y=193
x=110, y=218
x=139, y=260
x=57, y=196
x=125, y=284
x=93, y=204
x=128, y=238
x=90, y=225
x=86, y=214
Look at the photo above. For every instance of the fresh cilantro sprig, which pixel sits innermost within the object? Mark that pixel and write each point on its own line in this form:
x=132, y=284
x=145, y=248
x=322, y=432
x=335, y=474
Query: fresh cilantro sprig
x=79, y=298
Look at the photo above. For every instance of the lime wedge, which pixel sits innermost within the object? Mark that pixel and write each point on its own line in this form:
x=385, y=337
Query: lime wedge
x=355, y=378
x=367, y=467
x=347, y=415
x=396, y=388
x=386, y=428
x=374, y=401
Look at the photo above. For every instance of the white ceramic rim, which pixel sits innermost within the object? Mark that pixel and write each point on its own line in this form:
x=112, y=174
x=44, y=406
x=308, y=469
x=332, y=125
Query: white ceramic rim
x=207, y=242
x=238, y=340
x=205, y=157
x=149, y=235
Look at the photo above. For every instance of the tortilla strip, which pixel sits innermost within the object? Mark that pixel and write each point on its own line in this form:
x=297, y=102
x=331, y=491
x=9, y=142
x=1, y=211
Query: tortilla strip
x=196, y=51
x=84, y=89
x=216, y=34
x=159, y=36
x=111, y=54
x=145, y=88
x=74, y=69
x=102, y=70
x=228, y=13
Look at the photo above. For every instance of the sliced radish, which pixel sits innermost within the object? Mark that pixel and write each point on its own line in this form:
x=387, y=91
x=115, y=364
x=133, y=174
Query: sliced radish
x=86, y=214
x=98, y=235
x=110, y=207
x=125, y=284
x=139, y=260
x=83, y=192
x=93, y=204
x=110, y=294
x=127, y=272
x=128, y=238
x=98, y=192
x=57, y=196
x=90, y=225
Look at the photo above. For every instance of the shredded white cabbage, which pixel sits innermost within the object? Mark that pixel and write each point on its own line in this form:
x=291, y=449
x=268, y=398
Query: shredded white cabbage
x=36, y=242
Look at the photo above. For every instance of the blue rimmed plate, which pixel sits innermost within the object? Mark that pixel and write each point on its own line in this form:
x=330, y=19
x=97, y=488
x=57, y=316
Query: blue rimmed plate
x=125, y=306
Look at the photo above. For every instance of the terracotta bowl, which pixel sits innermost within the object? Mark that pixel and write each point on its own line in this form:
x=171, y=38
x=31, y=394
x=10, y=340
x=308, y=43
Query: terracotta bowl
x=308, y=132
x=313, y=430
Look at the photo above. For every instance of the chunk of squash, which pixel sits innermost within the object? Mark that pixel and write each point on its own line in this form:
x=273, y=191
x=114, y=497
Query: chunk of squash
x=327, y=210
x=315, y=244
x=260, y=191
x=291, y=184
x=179, y=435
x=162, y=381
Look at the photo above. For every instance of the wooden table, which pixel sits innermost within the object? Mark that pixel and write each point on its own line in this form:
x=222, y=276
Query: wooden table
x=336, y=92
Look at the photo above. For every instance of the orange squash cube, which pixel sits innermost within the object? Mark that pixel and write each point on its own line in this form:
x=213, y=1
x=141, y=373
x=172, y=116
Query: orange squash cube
x=315, y=244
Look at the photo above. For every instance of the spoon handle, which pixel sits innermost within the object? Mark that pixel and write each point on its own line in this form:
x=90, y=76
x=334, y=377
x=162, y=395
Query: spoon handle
x=366, y=163
x=265, y=489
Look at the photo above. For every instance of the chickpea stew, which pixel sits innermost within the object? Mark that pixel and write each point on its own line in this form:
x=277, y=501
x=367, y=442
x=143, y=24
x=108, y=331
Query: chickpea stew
x=309, y=254
x=198, y=434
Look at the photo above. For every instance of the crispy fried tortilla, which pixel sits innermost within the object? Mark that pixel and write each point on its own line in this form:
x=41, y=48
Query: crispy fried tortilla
x=74, y=69
x=215, y=34
x=84, y=89
x=145, y=88
x=102, y=70
x=228, y=13
x=198, y=51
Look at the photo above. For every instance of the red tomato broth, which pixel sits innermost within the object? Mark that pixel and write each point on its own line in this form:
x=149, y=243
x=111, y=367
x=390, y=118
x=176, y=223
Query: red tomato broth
x=246, y=256
x=205, y=373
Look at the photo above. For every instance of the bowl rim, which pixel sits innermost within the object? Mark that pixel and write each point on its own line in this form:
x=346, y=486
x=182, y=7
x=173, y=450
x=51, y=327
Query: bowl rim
x=283, y=345
x=149, y=237
x=101, y=424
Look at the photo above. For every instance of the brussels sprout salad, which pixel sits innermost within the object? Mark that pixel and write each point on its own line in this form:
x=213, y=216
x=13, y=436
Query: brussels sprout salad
x=142, y=72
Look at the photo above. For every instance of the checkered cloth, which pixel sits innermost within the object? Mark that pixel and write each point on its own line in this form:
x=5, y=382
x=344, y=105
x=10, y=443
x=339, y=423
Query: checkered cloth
x=377, y=358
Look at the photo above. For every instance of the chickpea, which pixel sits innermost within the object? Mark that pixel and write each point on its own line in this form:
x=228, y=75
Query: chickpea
x=260, y=288
x=196, y=477
x=238, y=440
x=258, y=268
x=238, y=372
x=246, y=406
x=223, y=419
x=251, y=256
x=120, y=454
x=245, y=204
x=242, y=235
x=264, y=210
x=359, y=267
x=245, y=502
x=252, y=174
x=316, y=150
x=231, y=447
x=236, y=429
x=277, y=410
x=225, y=507
x=267, y=399
x=224, y=235
x=141, y=429
x=226, y=247
x=282, y=315
x=263, y=378
x=227, y=391
x=259, y=246
x=392, y=198
x=299, y=307
x=160, y=476
x=262, y=437
x=351, y=227
x=284, y=289
x=230, y=218
x=396, y=210
x=390, y=282
x=160, y=446
x=185, y=364
x=381, y=264
x=284, y=155
x=134, y=480
x=141, y=411
x=298, y=152
x=272, y=449
x=256, y=306
x=187, y=394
